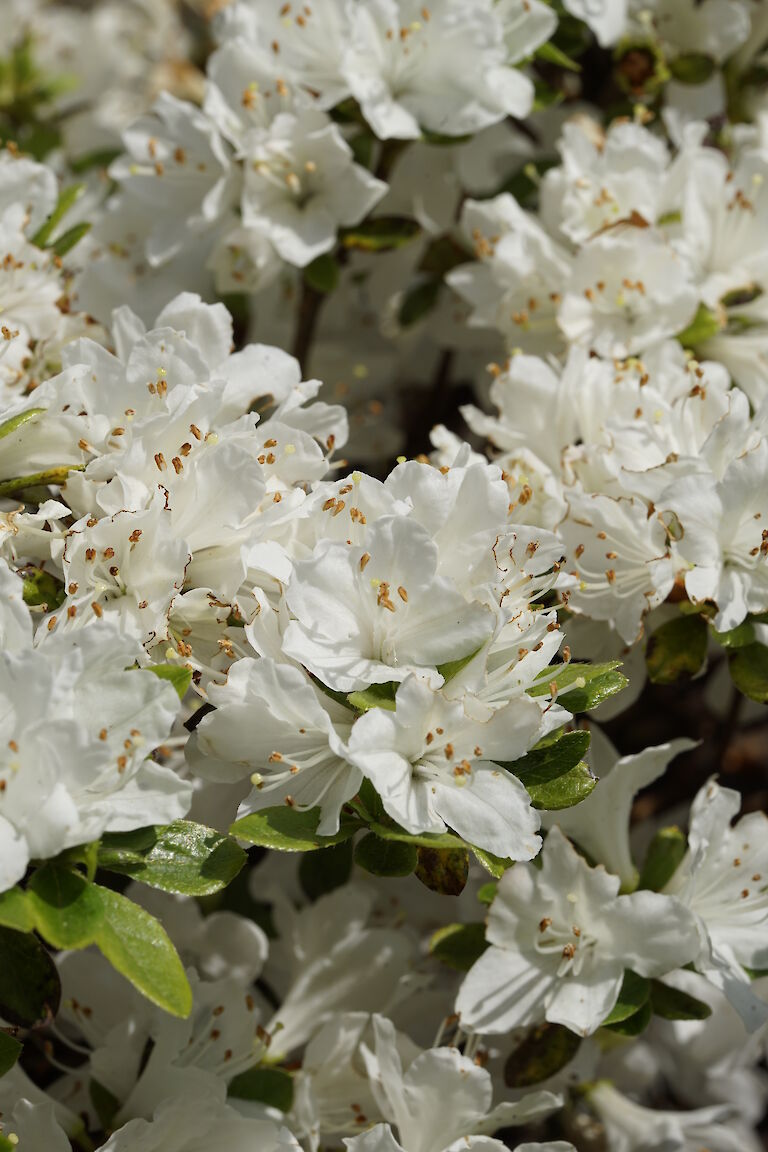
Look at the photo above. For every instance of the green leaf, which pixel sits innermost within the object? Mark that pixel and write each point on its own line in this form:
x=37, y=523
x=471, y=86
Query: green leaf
x=580, y=686
x=703, y=327
x=672, y=1004
x=66, y=907
x=322, y=275
x=57, y=475
x=692, y=68
x=98, y=158
x=569, y=789
x=418, y=301
x=634, y=993
x=443, y=870
x=385, y=857
x=543, y=764
x=418, y=839
x=182, y=857
x=545, y=1051
x=270, y=1086
x=442, y=254
x=66, y=201
x=496, y=865
x=676, y=650
x=67, y=241
x=749, y=671
x=545, y=96
x=137, y=945
x=382, y=234
x=633, y=1025
x=41, y=589
x=452, y=667
x=178, y=675
x=662, y=859
x=10, y=1050
x=551, y=54
x=326, y=870
x=377, y=696
x=105, y=1104
x=19, y=420
x=15, y=911
x=459, y=945
x=363, y=145
x=487, y=892
x=290, y=830
x=30, y=989
x=738, y=637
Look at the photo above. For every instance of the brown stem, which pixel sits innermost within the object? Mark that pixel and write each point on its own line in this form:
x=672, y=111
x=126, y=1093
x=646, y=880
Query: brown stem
x=310, y=304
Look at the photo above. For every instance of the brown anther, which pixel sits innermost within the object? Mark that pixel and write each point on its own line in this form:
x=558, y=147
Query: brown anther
x=402, y=594
x=195, y=431
x=97, y=610
x=569, y=951
x=449, y=751
x=160, y=461
x=544, y=923
x=177, y=465
x=364, y=560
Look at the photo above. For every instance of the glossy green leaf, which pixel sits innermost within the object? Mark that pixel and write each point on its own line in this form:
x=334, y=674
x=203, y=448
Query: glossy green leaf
x=580, y=686
x=177, y=674
x=704, y=326
x=459, y=945
x=544, y=1051
x=137, y=945
x=749, y=671
x=15, y=911
x=271, y=1086
x=66, y=907
x=672, y=1004
x=182, y=857
x=634, y=994
x=676, y=650
x=289, y=830
x=418, y=839
x=385, y=857
x=633, y=1025
x=377, y=696
x=30, y=989
x=495, y=865
x=543, y=764
x=443, y=870
x=738, y=637
x=381, y=234
x=662, y=859
x=569, y=789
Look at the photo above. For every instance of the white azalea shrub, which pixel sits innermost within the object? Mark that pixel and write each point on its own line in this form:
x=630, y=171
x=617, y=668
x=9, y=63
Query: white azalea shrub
x=383, y=576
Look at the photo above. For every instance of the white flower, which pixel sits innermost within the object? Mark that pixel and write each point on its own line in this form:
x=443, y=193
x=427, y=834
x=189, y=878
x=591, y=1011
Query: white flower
x=193, y=1120
x=301, y=184
x=180, y=170
x=724, y=544
x=440, y=1099
x=600, y=824
x=620, y=559
x=432, y=764
x=628, y=291
x=442, y=68
x=371, y=615
x=273, y=726
x=632, y=1128
x=722, y=880
x=307, y=41
x=606, y=18
x=560, y=939
x=78, y=726
x=34, y=1128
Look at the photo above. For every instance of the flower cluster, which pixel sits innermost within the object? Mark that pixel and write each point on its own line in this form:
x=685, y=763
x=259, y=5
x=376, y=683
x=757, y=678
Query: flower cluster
x=374, y=801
